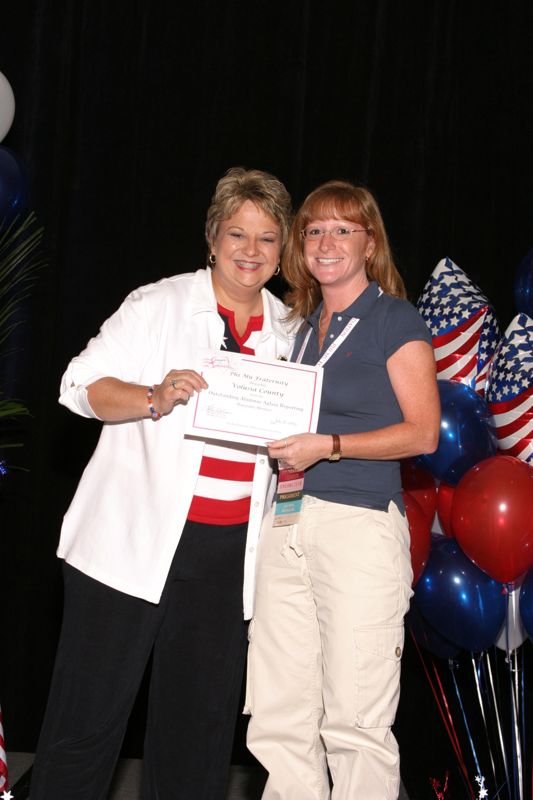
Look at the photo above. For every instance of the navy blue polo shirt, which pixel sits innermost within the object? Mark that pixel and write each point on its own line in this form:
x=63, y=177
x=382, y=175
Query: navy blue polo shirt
x=357, y=395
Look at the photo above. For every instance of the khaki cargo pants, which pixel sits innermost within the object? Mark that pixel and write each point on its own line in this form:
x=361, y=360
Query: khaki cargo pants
x=325, y=650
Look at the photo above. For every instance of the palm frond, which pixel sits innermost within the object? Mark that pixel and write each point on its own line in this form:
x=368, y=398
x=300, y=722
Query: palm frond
x=12, y=408
x=20, y=262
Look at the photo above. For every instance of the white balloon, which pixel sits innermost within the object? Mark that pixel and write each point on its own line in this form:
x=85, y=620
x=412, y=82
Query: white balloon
x=7, y=105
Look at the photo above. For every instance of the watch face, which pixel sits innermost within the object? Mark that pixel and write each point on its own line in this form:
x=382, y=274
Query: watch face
x=335, y=457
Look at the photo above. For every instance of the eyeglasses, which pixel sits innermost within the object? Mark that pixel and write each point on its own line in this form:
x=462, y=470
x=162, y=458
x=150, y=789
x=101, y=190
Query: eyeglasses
x=338, y=233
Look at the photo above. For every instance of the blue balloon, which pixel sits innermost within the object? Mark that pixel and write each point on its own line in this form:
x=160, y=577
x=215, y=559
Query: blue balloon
x=459, y=600
x=523, y=285
x=13, y=185
x=428, y=637
x=467, y=433
x=526, y=603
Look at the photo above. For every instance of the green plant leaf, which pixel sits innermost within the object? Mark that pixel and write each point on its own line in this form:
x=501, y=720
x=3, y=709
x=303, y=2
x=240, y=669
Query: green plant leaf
x=20, y=262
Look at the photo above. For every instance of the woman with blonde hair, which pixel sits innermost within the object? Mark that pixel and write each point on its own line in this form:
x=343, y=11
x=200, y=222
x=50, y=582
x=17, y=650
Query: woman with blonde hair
x=159, y=541
x=332, y=589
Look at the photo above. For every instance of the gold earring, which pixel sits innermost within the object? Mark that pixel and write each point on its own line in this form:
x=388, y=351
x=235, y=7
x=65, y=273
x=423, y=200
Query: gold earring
x=212, y=259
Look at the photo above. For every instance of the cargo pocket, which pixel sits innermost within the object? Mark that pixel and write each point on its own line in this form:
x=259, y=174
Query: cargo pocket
x=378, y=653
x=248, y=695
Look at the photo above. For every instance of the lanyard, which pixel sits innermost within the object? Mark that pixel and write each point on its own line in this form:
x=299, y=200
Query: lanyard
x=348, y=328
x=290, y=485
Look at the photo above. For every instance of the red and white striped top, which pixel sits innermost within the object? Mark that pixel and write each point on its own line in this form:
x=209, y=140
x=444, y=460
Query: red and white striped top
x=224, y=485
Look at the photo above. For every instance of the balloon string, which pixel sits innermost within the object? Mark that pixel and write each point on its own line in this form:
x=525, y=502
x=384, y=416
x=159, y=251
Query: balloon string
x=523, y=707
x=519, y=717
x=513, y=687
x=499, y=790
x=519, y=708
x=514, y=673
x=475, y=667
x=450, y=730
x=508, y=590
x=517, y=748
x=471, y=741
x=497, y=716
x=520, y=700
x=525, y=738
x=448, y=712
x=452, y=727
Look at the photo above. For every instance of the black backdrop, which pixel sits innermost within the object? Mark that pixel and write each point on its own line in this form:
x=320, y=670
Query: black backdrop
x=128, y=113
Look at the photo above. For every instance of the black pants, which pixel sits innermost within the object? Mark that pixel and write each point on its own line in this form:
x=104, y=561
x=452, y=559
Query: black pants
x=198, y=638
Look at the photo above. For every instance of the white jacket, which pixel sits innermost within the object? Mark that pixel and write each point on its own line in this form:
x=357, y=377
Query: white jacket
x=127, y=515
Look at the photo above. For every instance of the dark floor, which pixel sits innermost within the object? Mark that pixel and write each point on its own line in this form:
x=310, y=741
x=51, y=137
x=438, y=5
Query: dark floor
x=246, y=782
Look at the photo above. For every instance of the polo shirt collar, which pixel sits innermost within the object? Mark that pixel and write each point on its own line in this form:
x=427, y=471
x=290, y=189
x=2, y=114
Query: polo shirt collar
x=361, y=307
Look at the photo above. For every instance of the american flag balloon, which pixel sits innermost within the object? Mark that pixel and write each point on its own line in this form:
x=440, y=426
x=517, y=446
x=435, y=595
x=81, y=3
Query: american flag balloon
x=510, y=389
x=462, y=323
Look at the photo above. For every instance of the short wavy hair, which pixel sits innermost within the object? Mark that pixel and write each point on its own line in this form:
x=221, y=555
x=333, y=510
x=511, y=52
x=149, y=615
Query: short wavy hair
x=337, y=200
x=239, y=185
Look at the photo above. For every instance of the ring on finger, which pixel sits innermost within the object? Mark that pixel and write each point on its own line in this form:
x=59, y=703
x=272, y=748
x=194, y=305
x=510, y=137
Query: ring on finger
x=173, y=382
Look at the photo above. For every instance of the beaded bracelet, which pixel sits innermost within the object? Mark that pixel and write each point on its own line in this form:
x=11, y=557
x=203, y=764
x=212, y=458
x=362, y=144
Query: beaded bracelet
x=153, y=413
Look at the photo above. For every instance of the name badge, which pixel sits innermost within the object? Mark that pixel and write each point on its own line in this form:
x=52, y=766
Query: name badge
x=289, y=496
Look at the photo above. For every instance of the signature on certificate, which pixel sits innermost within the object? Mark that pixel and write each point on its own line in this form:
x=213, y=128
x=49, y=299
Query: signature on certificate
x=219, y=412
x=281, y=421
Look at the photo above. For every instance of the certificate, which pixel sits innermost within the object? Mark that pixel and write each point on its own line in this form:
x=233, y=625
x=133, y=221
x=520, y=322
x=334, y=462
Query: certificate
x=253, y=401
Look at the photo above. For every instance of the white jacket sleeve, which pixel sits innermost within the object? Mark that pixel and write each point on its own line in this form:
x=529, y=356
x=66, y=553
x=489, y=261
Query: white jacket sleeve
x=118, y=351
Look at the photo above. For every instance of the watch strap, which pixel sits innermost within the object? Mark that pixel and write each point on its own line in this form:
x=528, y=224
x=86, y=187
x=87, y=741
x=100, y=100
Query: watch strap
x=336, y=448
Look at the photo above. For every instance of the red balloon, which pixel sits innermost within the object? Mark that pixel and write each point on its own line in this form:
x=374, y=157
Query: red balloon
x=420, y=530
x=445, y=494
x=492, y=516
x=421, y=485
